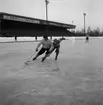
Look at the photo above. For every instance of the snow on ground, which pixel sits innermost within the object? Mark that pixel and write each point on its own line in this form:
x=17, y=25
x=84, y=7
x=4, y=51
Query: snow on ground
x=74, y=79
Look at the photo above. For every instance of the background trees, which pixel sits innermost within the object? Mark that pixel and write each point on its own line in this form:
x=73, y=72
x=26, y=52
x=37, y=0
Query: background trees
x=91, y=32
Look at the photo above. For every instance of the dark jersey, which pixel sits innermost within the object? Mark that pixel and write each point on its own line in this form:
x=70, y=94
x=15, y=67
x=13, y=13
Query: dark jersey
x=56, y=43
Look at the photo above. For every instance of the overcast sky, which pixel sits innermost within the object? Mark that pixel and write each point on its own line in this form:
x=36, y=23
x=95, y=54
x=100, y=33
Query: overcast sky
x=64, y=11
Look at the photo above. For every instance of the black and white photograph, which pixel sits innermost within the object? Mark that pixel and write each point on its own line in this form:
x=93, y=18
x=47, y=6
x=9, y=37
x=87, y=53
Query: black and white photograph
x=51, y=52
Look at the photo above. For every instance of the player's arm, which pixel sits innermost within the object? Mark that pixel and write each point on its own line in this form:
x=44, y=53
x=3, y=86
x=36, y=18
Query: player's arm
x=51, y=46
x=39, y=45
x=60, y=40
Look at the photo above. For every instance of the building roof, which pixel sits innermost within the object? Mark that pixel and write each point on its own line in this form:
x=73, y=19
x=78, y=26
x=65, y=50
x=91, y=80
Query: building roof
x=7, y=16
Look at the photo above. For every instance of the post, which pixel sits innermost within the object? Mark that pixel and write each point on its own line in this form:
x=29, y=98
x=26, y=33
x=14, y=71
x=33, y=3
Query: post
x=51, y=37
x=46, y=1
x=15, y=38
x=72, y=29
x=72, y=22
x=36, y=38
x=84, y=23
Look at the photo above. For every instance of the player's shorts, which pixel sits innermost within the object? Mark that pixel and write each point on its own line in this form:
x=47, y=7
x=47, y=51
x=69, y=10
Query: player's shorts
x=56, y=48
x=42, y=50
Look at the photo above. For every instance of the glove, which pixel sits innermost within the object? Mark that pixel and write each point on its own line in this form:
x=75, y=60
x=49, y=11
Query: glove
x=36, y=49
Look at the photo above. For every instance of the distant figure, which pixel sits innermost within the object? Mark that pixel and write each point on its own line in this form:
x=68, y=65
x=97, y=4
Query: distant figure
x=87, y=38
x=46, y=47
x=56, y=47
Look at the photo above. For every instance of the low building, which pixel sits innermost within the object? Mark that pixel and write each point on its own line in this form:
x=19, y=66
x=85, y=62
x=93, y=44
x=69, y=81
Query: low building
x=20, y=26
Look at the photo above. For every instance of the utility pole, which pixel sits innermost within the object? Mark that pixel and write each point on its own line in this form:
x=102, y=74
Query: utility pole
x=72, y=22
x=84, y=22
x=46, y=1
x=72, y=29
x=87, y=36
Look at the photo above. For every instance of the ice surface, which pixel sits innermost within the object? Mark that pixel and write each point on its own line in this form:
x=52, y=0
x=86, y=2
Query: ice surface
x=74, y=79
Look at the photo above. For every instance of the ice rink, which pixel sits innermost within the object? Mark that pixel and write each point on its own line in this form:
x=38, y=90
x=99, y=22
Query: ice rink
x=76, y=78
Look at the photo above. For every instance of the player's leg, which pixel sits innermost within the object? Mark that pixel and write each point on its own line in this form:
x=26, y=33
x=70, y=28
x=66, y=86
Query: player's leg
x=47, y=54
x=42, y=50
x=44, y=57
x=57, y=52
